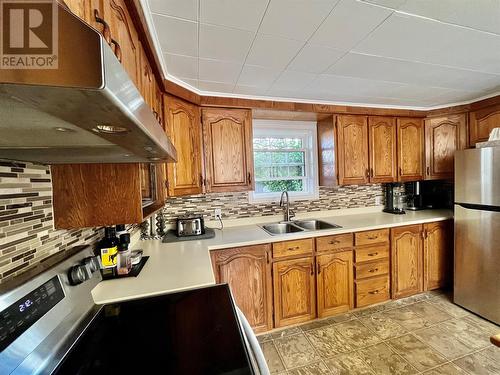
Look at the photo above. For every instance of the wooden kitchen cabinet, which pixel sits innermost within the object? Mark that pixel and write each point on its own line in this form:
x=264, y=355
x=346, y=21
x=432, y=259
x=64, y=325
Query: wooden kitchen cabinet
x=294, y=291
x=334, y=280
x=186, y=176
x=352, y=149
x=438, y=254
x=228, y=142
x=407, y=260
x=482, y=122
x=147, y=80
x=410, y=148
x=327, y=160
x=443, y=136
x=382, y=149
x=247, y=270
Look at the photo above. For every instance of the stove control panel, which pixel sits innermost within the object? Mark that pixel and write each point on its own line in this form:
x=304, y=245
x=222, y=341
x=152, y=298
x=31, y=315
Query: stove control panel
x=22, y=314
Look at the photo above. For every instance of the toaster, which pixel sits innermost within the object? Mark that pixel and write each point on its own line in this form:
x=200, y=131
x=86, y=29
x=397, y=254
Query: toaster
x=190, y=226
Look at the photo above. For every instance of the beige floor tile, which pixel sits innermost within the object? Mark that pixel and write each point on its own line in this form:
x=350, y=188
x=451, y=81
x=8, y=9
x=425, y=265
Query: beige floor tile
x=315, y=324
x=357, y=334
x=286, y=332
x=429, y=312
x=368, y=311
x=467, y=333
x=382, y=360
x=341, y=318
x=296, y=351
x=264, y=337
x=485, y=325
x=421, y=356
x=492, y=352
x=272, y=357
x=480, y=364
x=408, y=318
x=446, y=369
x=446, y=305
x=348, y=364
x=328, y=341
x=441, y=340
x=318, y=368
x=384, y=326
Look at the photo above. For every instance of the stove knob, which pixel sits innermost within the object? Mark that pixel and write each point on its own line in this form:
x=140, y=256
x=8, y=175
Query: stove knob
x=78, y=274
x=92, y=263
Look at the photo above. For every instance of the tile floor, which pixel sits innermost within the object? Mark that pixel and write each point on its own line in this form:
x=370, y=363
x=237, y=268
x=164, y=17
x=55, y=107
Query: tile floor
x=425, y=333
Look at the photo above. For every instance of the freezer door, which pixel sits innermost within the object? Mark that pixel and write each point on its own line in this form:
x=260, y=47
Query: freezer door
x=477, y=261
x=477, y=176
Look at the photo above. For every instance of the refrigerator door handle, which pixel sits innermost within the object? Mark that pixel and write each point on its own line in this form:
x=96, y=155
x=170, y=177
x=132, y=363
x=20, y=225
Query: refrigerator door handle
x=480, y=207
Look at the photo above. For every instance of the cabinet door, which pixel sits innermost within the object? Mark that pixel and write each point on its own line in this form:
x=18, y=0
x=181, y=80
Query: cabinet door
x=382, y=147
x=352, y=135
x=185, y=177
x=438, y=254
x=158, y=104
x=294, y=292
x=443, y=135
x=482, y=122
x=123, y=32
x=146, y=79
x=77, y=7
x=248, y=272
x=410, y=149
x=407, y=254
x=334, y=275
x=227, y=135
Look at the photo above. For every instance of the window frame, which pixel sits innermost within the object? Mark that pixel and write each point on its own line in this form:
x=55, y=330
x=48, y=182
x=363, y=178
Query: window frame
x=290, y=129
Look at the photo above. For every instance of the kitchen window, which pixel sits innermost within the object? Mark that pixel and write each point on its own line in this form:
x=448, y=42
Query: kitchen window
x=285, y=158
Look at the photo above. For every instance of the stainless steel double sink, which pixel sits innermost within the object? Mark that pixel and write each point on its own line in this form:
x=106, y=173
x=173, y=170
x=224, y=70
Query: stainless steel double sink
x=297, y=226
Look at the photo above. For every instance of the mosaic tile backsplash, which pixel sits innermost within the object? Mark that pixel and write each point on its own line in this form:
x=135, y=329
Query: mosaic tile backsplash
x=27, y=236
x=236, y=205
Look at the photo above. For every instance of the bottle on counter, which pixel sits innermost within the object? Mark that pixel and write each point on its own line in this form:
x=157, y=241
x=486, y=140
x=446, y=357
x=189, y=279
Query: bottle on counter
x=120, y=229
x=107, y=249
x=124, y=264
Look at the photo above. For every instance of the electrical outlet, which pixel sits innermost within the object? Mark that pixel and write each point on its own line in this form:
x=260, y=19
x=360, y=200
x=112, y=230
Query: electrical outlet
x=218, y=213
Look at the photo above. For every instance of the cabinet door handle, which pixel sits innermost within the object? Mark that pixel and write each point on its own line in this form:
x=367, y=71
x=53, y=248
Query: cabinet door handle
x=319, y=268
x=333, y=242
x=372, y=237
x=428, y=171
x=373, y=254
x=312, y=269
x=293, y=248
x=106, y=31
x=374, y=292
x=249, y=178
x=400, y=171
x=367, y=172
x=118, y=49
x=373, y=270
x=267, y=257
x=201, y=180
x=371, y=172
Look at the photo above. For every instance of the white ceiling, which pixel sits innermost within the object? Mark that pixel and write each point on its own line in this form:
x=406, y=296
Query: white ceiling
x=396, y=53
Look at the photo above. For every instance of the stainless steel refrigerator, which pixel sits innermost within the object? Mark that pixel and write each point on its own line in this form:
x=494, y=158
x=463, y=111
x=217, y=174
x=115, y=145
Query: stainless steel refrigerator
x=477, y=231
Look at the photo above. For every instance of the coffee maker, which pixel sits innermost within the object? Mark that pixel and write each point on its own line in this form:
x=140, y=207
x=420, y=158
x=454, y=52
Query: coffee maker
x=414, y=196
x=394, y=198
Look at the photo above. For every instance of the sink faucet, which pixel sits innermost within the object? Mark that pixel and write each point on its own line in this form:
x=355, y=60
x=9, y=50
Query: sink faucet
x=285, y=203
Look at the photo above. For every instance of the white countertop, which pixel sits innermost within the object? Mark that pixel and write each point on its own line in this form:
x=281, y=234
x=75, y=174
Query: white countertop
x=177, y=266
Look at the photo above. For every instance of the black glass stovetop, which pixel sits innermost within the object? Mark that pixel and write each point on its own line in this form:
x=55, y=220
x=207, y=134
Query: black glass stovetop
x=192, y=332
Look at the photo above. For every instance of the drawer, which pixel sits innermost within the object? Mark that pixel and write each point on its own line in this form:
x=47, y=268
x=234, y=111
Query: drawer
x=364, y=270
x=291, y=248
x=371, y=237
x=339, y=241
x=370, y=291
x=369, y=253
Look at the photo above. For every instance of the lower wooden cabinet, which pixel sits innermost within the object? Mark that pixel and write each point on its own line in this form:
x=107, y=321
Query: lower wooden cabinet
x=407, y=260
x=294, y=291
x=334, y=280
x=247, y=270
x=438, y=254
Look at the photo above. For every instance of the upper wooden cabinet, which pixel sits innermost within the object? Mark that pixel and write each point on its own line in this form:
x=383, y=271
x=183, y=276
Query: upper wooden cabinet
x=482, y=122
x=438, y=254
x=407, y=260
x=352, y=149
x=186, y=176
x=227, y=135
x=410, y=149
x=326, y=152
x=382, y=149
x=443, y=136
x=247, y=270
x=147, y=81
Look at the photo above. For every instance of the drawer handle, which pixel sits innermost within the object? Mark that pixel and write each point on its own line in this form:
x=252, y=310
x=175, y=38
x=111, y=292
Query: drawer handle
x=372, y=237
x=373, y=254
x=374, y=292
x=293, y=248
x=334, y=242
x=118, y=49
x=373, y=270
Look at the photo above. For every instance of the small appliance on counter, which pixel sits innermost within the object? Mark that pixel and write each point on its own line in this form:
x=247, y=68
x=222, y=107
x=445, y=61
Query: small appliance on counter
x=192, y=225
x=414, y=196
x=394, y=198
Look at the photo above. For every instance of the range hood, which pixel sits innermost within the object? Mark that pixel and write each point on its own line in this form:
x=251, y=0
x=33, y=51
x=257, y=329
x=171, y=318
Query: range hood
x=67, y=115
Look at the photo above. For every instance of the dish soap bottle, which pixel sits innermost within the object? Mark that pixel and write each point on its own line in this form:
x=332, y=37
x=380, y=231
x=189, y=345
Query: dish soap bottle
x=124, y=261
x=107, y=250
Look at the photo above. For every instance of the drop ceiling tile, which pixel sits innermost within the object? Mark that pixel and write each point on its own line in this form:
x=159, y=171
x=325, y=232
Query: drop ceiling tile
x=219, y=87
x=393, y=4
x=480, y=15
x=219, y=71
x=221, y=43
x=395, y=70
x=272, y=51
x=291, y=80
x=240, y=14
x=181, y=66
x=176, y=36
x=315, y=59
x=417, y=39
x=349, y=23
x=253, y=75
x=295, y=19
x=250, y=90
x=191, y=82
x=187, y=9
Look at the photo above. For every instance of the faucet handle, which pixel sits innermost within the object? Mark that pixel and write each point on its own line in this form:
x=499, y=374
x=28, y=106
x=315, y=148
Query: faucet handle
x=291, y=214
